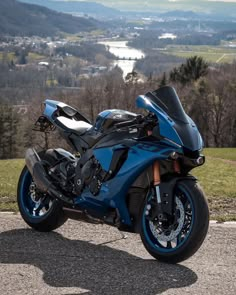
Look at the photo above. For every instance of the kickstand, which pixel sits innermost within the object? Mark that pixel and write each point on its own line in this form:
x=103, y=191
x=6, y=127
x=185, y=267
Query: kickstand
x=123, y=235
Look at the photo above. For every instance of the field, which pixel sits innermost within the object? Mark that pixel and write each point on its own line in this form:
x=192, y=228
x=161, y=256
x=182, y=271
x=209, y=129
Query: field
x=10, y=56
x=32, y=57
x=9, y=175
x=217, y=177
x=212, y=54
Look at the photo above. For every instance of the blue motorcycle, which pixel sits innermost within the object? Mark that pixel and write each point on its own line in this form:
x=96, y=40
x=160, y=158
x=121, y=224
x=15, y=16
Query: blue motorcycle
x=128, y=170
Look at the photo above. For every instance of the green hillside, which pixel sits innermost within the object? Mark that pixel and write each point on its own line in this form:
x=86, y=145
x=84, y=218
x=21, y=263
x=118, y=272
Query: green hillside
x=20, y=19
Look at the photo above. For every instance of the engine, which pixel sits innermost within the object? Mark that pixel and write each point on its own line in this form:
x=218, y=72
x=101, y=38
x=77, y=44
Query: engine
x=71, y=176
x=62, y=168
x=90, y=175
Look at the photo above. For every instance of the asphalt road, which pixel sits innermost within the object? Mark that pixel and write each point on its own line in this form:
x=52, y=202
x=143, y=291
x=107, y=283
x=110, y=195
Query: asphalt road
x=92, y=259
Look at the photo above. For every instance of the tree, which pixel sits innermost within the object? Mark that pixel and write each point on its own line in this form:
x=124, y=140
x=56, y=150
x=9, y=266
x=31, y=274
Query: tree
x=22, y=58
x=163, y=81
x=132, y=77
x=194, y=68
x=8, y=132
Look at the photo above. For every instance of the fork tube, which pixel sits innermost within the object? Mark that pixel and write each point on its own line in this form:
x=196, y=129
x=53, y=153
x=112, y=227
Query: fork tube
x=157, y=180
x=176, y=166
x=156, y=173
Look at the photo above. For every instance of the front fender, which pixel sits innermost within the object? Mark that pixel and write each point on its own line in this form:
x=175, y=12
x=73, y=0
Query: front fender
x=167, y=192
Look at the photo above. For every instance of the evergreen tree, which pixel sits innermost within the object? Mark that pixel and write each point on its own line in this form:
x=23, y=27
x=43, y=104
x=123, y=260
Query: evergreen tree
x=132, y=77
x=8, y=132
x=22, y=60
x=163, y=81
x=194, y=68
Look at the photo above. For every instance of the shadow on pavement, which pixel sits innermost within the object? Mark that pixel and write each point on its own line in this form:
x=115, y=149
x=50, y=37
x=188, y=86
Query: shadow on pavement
x=99, y=269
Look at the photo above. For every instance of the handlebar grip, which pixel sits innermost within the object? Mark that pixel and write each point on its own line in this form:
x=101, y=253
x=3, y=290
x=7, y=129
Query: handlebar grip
x=138, y=120
x=126, y=123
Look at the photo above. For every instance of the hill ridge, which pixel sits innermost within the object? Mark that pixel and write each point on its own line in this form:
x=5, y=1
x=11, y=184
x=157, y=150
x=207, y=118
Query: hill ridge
x=21, y=19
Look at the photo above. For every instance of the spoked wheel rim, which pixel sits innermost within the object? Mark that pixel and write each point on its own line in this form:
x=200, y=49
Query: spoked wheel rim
x=34, y=203
x=169, y=236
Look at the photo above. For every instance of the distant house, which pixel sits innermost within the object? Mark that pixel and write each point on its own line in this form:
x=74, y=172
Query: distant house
x=43, y=64
x=93, y=69
x=21, y=109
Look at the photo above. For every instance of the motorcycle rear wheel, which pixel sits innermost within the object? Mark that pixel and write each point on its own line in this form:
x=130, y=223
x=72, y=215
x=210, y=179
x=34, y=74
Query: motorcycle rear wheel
x=40, y=212
x=176, y=242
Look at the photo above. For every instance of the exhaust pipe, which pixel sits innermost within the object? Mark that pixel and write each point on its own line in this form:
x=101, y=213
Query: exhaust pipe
x=31, y=158
x=41, y=179
x=33, y=163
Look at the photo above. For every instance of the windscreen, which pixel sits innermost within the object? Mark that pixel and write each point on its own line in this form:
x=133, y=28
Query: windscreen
x=167, y=99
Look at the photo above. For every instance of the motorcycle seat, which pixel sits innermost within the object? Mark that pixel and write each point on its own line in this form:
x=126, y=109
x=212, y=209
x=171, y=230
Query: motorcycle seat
x=72, y=125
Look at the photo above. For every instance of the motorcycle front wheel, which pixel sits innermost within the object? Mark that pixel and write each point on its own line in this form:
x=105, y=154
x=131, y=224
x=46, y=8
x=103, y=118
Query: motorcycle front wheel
x=181, y=235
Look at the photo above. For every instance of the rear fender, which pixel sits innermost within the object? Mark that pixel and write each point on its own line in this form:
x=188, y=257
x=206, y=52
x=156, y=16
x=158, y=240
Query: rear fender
x=50, y=109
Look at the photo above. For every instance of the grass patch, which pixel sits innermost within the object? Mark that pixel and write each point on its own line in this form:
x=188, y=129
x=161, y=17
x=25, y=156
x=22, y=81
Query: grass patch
x=223, y=153
x=136, y=23
x=8, y=206
x=32, y=56
x=223, y=218
x=209, y=53
x=9, y=175
x=51, y=82
x=72, y=37
x=97, y=32
x=10, y=56
x=217, y=178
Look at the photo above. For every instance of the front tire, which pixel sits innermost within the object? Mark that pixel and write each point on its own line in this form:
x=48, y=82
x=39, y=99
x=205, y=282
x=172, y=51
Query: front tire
x=41, y=213
x=182, y=239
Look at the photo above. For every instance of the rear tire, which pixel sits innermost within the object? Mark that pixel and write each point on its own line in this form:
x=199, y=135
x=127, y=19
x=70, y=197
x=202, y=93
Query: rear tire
x=53, y=215
x=184, y=246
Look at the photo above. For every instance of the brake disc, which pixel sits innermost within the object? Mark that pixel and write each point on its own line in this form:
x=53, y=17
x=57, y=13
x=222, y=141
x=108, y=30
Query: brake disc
x=161, y=235
x=32, y=190
x=39, y=204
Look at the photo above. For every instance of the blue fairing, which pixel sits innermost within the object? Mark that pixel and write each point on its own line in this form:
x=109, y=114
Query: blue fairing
x=113, y=193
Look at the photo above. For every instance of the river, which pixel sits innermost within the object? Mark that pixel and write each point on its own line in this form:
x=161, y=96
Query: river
x=124, y=53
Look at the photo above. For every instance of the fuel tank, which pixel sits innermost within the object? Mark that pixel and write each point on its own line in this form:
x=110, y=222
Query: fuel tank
x=108, y=118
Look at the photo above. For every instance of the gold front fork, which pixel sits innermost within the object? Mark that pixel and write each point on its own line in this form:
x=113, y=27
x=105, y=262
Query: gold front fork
x=176, y=166
x=157, y=180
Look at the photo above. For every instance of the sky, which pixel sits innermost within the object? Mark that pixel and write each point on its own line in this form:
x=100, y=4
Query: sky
x=155, y=1
x=226, y=7
x=222, y=1
x=193, y=1
x=219, y=7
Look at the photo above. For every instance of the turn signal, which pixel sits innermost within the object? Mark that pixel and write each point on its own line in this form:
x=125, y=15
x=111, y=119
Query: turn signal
x=174, y=156
x=200, y=160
